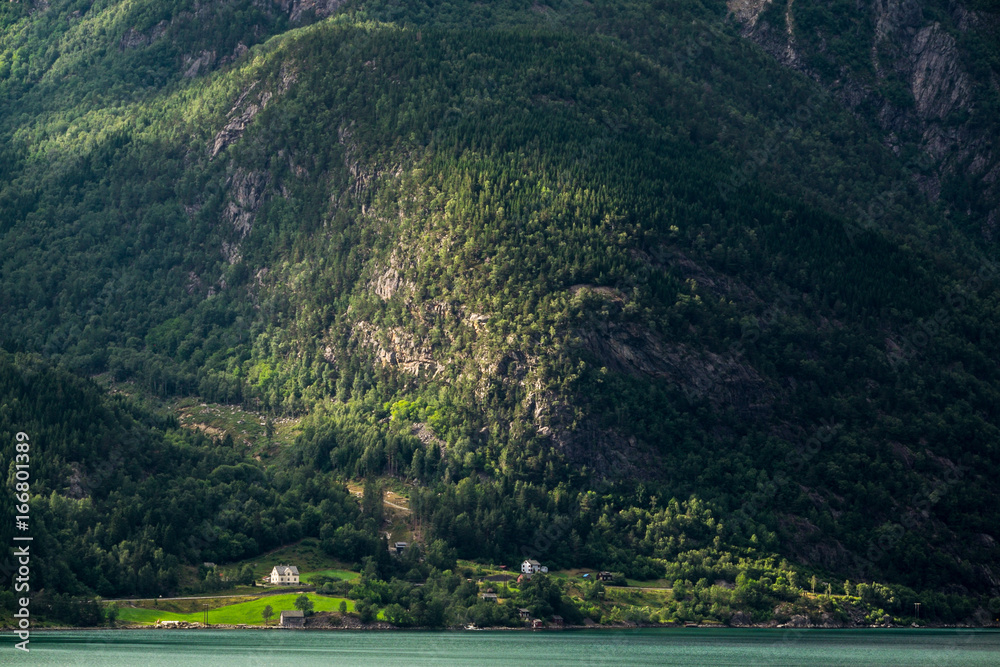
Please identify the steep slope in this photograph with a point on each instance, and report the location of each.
(926, 73)
(122, 499)
(590, 263)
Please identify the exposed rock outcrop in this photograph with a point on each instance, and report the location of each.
(239, 118)
(298, 9)
(397, 347)
(319, 8)
(192, 65)
(939, 83)
(386, 283)
(740, 620)
(709, 376)
(426, 435)
(133, 39)
(248, 105)
(909, 46)
(247, 193)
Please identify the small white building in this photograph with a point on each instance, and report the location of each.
(531, 566)
(285, 575)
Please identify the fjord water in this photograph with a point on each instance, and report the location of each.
(177, 648)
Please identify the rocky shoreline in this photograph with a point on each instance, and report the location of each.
(382, 626)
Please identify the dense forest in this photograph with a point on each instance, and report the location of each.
(602, 282)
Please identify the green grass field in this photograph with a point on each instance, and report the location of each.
(343, 575)
(248, 613)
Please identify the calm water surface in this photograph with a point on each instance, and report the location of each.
(177, 648)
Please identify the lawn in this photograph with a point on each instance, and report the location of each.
(343, 575)
(248, 613)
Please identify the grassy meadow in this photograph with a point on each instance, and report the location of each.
(248, 612)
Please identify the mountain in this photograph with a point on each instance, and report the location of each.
(687, 288)
(924, 73)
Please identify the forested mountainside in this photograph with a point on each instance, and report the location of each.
(925, 73)
(704, 287)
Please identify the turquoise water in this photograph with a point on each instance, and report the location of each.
(177, 648)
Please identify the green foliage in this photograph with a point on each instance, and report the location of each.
(590, 276)
(304, 604)
(101, 470)
(111, 614)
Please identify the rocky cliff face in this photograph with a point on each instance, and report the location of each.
(299, 9)
(924, 82)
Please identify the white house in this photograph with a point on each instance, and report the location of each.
(285, 574)
(531, 566)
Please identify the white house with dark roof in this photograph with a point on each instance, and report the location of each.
(285, 575)
(532, 566)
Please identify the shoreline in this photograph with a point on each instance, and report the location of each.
(385, 627)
